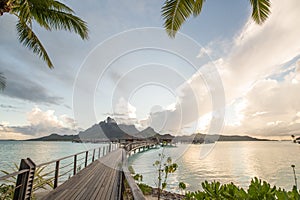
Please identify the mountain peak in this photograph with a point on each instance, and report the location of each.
(110, 120)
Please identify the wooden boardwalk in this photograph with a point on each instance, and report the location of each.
(102, 179)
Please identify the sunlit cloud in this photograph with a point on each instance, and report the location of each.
(40, 123)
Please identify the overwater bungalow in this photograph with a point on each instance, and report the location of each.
(297, 140)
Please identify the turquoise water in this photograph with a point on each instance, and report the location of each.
(13, 151)
(226, 162)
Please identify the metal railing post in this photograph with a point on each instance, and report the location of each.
(75, 165)
(56, 174)
(24, 184)
(86, 158)
(109, 147)
(93, 158)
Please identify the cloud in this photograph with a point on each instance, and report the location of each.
(124, 112)
(204, 52)
(20, 87)
(258, 53)
(7, 106)
(41, 123)
(272, 107)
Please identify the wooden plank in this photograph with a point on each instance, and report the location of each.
(92, 176)
(97, 181)
(116, 186)
(114, 189)
(111, 184)
(94, 182)
(104, 190)
(73, 182)
(102, 185)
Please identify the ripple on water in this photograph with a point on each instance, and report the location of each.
(227, 162)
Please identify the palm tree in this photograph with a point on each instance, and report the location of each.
(49, 14)
(2, 81)
(176, 12)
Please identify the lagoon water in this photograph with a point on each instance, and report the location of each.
(13, 151)
(226, 162)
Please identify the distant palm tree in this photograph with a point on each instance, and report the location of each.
(49, 14)
(2, 81)
(176, 12)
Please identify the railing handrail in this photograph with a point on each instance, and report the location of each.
(135, 190)
(2, 178)
(66, 157)
(135, 145)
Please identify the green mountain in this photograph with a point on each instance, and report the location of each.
(109, 130)
(56, 137)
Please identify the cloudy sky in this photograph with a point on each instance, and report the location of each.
(221, 74)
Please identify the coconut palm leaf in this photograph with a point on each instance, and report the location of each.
(49, 14)
(55, 15)
(2, 81)
(58, 20)
(260, 10)
(198, 7)
(176, 12)
(28, 38)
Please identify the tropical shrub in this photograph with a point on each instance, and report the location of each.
(6, 191)
(258, 190)
(146, 189)
(40, 181)
(164, 167)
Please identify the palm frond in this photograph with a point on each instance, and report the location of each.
(61, 7)
(175, 13)
(59, 20)
(23, 10)
(198, 7)
(28, 38)
(2, 81)
(49, 14)
(260, 10)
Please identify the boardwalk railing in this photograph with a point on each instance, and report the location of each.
(71, 165)
(54, 170)
(24, 182)
(133, 147)
(135, 190)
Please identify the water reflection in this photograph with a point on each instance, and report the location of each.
(13, 151)
(235, 162)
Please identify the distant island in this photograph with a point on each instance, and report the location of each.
(200, 138)
(109, 130)
(56, 137)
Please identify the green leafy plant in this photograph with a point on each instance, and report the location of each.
(164, 167)
(182, 186)
(40, 181)
(146, 189)
(261, 190)
(6, 191)
(138, 177)
(131, 170)
(258, 190)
